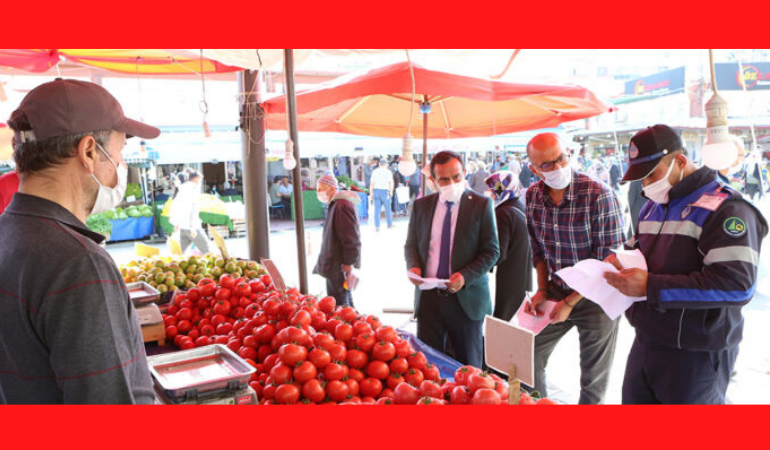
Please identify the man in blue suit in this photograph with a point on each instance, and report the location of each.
(452, 235)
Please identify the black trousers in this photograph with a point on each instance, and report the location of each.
(335, 288)
(656, 374)
(441, 320)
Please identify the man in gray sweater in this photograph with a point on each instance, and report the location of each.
(68, 330)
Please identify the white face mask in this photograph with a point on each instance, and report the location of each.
(453, 192)
(110, 197)
(558, 179)
(658, 191)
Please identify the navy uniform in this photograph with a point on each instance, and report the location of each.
(702, 250)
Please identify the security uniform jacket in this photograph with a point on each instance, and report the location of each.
(702, 265)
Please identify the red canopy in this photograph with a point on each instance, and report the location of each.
(378, 103)
(30, 59)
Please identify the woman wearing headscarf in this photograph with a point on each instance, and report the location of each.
(514, 267)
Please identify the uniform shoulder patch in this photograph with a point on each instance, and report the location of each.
(734, 227)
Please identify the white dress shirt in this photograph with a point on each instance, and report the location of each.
(434, 250)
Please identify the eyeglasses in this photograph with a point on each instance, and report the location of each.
(561, 160)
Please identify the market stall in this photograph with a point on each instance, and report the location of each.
(212, 212)
(278, 346)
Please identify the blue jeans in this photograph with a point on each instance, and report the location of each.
(381, 199)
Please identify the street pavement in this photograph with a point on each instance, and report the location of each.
(384, 287)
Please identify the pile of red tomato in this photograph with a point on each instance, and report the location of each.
(310, 351)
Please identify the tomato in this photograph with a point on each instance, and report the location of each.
(406, 394)
(222, 307)
(388, 334)
(271, 307)
(207, 330)
(357, 359)
(417, 360)
(171, 332)
(173, 309)
(462, 374)
(257, 286)
(264, 334)
(239, 312)
(314, 391)
(399, 365)
(319, 357)
(202, 341)
(203, 304)
(384, 351)
(184, 326)
(185, 303)
(337, 390)
(250, 341)
(247, 353)
(486, 396)
(525, 399)
(368, 401)
(331, 325)
(355, 374)
(430, 401)
(287, 310)
(207, 287)
(291, 354)
(169, 320)
(224, 329)
(187, 343)
(371, 387)
(268, 393)
(378, 369)
(338, 352)
(334, 371)
(361, 327)
(243, 289)
(461, 395)
(306, 371)
(365, 342)
(348, 314)
(271, 361)
(234, 344)
(501, 387)
(184, 314)
(286, 394)
(414, 377)
(264, 351)
(299, 336)
(385, 401)
(281, 373)
(221, 340)
(394, 380)
(318, 320)
(446, 389)
(327, 304)
(193, 333)
(301, 318)
(403, 348)
(374, 322)
(430, 389)
(194, 295)
(245, 302)
(546, 401)
(343, 332)
(387, 392)
(353, 387)
(227, 281)
(478, 381)
(323, 340)
(431, 372)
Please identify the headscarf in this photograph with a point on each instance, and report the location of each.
(504, 185)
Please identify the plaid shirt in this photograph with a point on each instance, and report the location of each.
(587, 223)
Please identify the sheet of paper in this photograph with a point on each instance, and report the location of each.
(587, 278)
(530, 322)
(631, 259)
(428, 283)
(275, 275)
(506, 344)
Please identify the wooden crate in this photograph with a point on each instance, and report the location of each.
(239, 228)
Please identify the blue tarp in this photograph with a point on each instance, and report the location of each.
(131, 229)
(446, 365)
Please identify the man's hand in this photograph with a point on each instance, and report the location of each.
(613, 259)
(631, 282)
(417, 271)
(456, 282)
(347, 269)
(531, 306)
(560, 312)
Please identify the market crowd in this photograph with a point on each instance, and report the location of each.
(69, 333)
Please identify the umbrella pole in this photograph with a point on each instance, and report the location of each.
(299, 216)
(424, 148)
(254, 166)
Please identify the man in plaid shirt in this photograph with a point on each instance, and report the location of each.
(570, 217)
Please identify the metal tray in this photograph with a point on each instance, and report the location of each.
(142, 293)
(190, 373)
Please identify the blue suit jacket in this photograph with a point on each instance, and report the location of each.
(474, 252)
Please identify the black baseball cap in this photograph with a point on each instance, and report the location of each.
(64, 107)
(648, 147)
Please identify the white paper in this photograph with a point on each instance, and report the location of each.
(587, 278)
(506, 344)
(534, 324)
(631, 259)
(428, 283)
